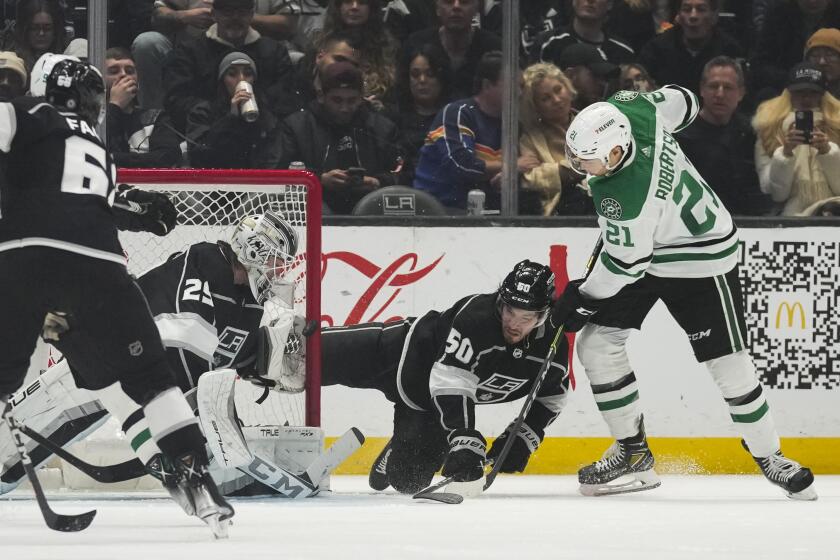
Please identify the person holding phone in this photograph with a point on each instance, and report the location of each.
(797, 154)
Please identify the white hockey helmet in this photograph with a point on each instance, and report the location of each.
(42, 69)
(265, 244)
(594, 132)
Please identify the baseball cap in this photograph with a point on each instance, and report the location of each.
(233, 4)
(581, 54)
(236, 58)
(806, 76)
(11, 61)
(341, 75)
(825, 37)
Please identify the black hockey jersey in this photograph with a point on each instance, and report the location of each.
(59, 183)
(459, 358)
(205, 321)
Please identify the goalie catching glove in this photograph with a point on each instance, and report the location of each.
(138, 210)
(524, 444)
(281, 353)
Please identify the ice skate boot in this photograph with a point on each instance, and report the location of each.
(797, 481)
(627, 466)
(378, 478)
(160, 467)
(210, 506)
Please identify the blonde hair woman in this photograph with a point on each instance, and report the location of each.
(546, 111)
(795, 167)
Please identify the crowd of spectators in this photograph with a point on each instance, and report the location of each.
(372, 93)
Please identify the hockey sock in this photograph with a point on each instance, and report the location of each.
(136, 428)
(174, 426)
(618, 402)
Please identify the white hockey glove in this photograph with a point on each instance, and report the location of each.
(281, 354)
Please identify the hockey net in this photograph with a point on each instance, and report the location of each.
(210, 204)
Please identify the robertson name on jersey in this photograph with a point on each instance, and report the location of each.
(459, 358)
(656, 212)
(59, 184)
(204, 319)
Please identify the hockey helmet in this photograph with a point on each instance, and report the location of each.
(265, 244)
(41, 71)
(593, 134)
(529, 286)
(77, 87)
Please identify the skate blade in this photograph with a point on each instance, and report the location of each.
(218, 526)
(638, 482)
(807, 495)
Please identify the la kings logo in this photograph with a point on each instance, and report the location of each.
(610, 208)
(231, 341)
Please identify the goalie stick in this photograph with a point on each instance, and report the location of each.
(108, 474)
(55, 521)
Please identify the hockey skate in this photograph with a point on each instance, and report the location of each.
(378, 478)
(627, 466)
(170, 477)
(209, 504)
(797, 481)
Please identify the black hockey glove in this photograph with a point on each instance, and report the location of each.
(467, 451)
(524, 443)
(573, 309)
(138, 210)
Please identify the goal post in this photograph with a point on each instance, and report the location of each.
(210, 203)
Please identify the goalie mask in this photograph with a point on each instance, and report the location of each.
(265, 245)
(529, 286)
(76, 87)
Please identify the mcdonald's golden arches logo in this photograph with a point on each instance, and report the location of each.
(789, 312)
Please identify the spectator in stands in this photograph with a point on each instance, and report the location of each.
(797, 168)
(539, 20)
(191, 75)
(404, 17)
(464, 44)
(335, 47)
(351, 148)
(549, 185)
(787, 26)
(38, 29)
(678, 55)
(721, 143)
(136, 137)
(463, 147)
(823, 50)
(422, 90)
(12, 76)
(635, 21)
(377, 49)
(588, 28)
(635, 77)
(308, 21)
(220, 134)
(175, 22)
(593, 77)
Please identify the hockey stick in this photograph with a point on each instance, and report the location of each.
(445, 497)
(120, 472)
(532, 395)
(55, 521)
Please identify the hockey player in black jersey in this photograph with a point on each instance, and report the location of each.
(485, 349)
(61, 263)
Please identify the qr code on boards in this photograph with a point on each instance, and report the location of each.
(791, 303)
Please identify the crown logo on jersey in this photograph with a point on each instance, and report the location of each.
(610, 208)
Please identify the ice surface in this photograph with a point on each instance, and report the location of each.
(520, 518)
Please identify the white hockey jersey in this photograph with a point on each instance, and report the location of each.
(657, 214)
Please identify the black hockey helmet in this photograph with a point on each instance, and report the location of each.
(530, 286)
(77, 87)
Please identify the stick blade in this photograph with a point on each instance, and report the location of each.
(70, 523)
(442, 497)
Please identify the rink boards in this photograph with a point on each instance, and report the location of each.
(790, 278)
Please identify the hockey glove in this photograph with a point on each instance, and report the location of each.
(573, 309)
(467, 452)
(138, 210)
(524, 443)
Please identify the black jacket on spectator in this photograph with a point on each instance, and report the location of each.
(369, 141)
(615, 50)
(191, 76)
(781, 43)
(142, 138)
(669, 61)
(413, 128)
(406, 17)
(219, 139)
(462, 84)
(724, 156)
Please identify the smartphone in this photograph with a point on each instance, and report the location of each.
(804, 121)
(356, 175)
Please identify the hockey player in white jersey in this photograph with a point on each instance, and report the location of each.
(666, 236)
